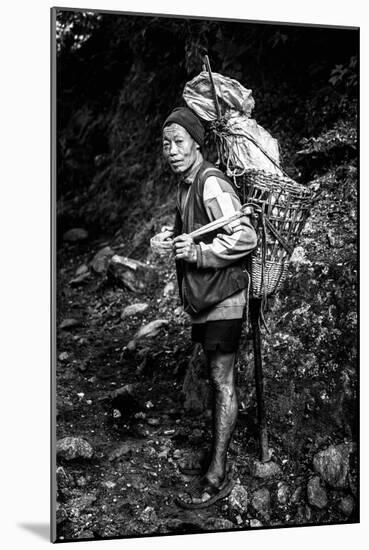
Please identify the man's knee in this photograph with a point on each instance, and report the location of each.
(221, 372)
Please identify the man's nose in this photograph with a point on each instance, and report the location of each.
(173, 149)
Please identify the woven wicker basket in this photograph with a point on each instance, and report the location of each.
(285, 204)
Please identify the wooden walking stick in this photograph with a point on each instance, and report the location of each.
(255, 307)
(255, 311)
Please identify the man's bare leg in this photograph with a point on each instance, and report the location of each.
(225, 410)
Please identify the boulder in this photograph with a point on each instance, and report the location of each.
(134, 309)
(151, 329)
(131, 274)
(81, 270)
(80, 279)
(68, 324)
(148, 515)
(63, 356)
(333, 463)
(77, 505)
(296, 495)
(169, 289)
(282, 493)
(75, 235)
(100, 261)
(316, 494)
(347, 505)
(122, 450)
(255, 523)
(219, 524)
(261, 500)
(238, 499)
(71, 448)
(265, 470)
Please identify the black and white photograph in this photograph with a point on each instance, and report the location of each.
(205, 290)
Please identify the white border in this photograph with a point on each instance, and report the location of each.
(25, 84)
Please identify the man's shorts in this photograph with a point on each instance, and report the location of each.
(223, 335)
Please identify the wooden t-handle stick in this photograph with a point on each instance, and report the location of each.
(245, 210)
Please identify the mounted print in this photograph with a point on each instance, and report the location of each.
(205, 177)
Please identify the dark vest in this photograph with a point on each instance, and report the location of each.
(201, 288)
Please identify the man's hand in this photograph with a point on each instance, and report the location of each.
(184, 248)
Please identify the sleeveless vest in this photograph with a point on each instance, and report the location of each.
(203, 288)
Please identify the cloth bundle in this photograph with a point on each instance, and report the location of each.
(242, 143)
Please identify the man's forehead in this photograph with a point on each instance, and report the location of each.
(173, 130)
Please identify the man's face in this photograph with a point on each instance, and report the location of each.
(179, 149)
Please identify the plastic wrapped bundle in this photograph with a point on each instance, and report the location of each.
(242, 143)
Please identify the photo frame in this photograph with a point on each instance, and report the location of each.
(128, 406)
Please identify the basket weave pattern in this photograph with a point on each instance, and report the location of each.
(286, 205)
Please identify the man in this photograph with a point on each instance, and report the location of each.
(213, 283)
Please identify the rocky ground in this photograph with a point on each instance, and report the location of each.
(132, 405)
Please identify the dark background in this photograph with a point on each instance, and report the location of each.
(118, 76)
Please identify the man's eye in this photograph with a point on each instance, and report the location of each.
(179, 141)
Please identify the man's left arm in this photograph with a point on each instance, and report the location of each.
(240, 239)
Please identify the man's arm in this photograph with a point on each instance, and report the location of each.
(240, 239)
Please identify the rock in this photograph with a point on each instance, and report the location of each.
(100, 261)
(265, 470)
(81, 270)
(120, 451)
(86, 534)
(151, 329)
(261, 500)
(316, 494)
(219, 523)
(255, 523)
(238, 498)
(74, 235)
(134, 309)
(282, 492)
(308, 514)
(80, 280)
(81, 481)
(153, 421)
(73, 447)
(76, 505)
(108, 484)
(68, 324)
(332, 464)
(131, 274)
(347, 505)
(148, 515)
(64, 356)
(296, 495)
(169, 289)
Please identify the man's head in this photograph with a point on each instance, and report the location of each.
(183, 136)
